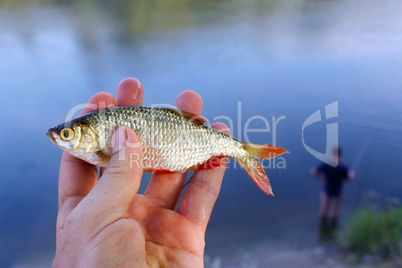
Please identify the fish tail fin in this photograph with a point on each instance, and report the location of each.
(257, 173)
(254, 168)
(262, 151)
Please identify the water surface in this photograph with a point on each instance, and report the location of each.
(271, 59)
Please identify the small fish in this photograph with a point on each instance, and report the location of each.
(171, 141)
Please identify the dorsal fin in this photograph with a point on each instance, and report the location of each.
(190, 116)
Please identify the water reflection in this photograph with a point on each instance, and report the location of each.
(279, 58)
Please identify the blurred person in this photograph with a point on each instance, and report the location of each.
(332, 177)
(106, 223)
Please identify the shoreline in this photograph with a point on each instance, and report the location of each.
(270, 255)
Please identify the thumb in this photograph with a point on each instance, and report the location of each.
(121, 180)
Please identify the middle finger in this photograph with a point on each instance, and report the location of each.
(164, 189)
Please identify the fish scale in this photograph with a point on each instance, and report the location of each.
(171, 141)
(180, 143)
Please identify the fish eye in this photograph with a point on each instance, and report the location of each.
(67, 134)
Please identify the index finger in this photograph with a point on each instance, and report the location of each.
(130, 92)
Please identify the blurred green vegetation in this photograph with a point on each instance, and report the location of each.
(377, 233)
(142, 16)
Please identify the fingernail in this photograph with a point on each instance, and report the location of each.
(179, 100)
(135, 94)
(119, 140)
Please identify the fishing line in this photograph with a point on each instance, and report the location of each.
(356, 164)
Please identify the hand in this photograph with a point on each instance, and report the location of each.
(106, 223)
(351, 175)
(317, 174)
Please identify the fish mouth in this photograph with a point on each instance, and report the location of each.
(49, 134)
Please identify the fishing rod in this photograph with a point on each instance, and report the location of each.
(356, 164)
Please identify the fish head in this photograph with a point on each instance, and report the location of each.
(75, 137)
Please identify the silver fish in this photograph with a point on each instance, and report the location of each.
(171, 141)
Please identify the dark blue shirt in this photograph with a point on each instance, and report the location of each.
(334, 177)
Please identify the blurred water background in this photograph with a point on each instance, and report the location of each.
(282, 59)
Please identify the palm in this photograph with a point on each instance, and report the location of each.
(168, 232)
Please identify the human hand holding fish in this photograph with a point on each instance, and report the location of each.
(106, 223)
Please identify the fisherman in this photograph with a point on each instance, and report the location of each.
(332, 176)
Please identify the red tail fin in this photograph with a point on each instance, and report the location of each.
(257, 173)
(262, 151)
(254, 169)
